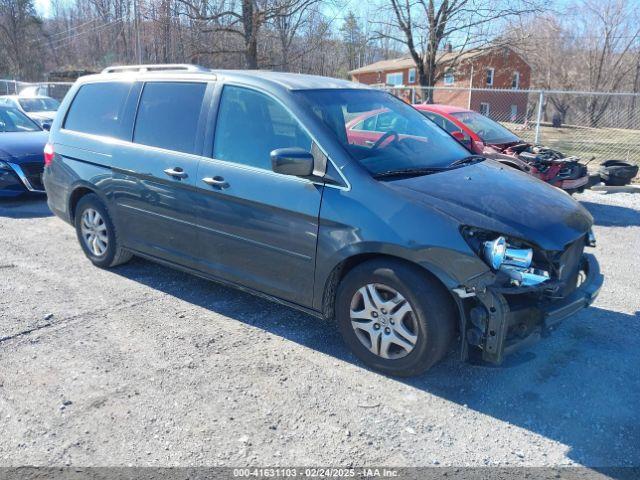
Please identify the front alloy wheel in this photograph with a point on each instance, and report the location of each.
(383, 321)
(395, 316)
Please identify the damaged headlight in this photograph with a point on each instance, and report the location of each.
(498, 252)
(510, 259)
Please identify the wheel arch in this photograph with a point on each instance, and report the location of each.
(348, 263)
(80, 190)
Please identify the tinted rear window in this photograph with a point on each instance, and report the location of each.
(168, 115)
(98, 108)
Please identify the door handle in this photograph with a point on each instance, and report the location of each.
(176, 172)
(217, 182)
(370, 142)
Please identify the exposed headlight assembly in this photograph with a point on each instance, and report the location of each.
(515, 262)
(498, 252)
(511, 260)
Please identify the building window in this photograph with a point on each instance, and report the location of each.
(449, 79)
(515, 81)
(485, 108)
(490, 77)
(514, 113)
(394, 79)
(412, 75)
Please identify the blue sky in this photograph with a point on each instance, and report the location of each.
(43, 7)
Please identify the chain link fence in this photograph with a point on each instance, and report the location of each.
(599, 126)
(602, 126)
(55, 90)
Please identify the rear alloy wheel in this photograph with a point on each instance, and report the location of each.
(395, 317)
(97, 234)
(94, 232)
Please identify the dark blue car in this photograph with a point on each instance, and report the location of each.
(22, 144)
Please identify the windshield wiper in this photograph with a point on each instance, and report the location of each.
(409, 172)
(467, 160)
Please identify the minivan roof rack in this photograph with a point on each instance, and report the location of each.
(160, 67)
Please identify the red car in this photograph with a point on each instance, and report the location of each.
(486, 137)
(378, 128)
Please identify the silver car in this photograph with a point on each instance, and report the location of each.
(40, 108)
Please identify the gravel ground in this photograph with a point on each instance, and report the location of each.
(142, 365)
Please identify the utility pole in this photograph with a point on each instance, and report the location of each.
(136, 22)
(470, 86)
(539, 118)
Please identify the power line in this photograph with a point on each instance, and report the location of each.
(62, 41)
(68, 31)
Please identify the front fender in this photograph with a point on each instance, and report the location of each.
(451, 267)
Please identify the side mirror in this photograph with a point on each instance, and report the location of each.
(292, 161)
(46, 126)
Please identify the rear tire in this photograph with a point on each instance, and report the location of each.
(423, 330)
(97, 234)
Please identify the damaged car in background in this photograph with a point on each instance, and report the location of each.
(486, 137)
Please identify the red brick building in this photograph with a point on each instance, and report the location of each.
(489, 68)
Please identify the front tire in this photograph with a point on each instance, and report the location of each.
(395, 317)
(97, 234)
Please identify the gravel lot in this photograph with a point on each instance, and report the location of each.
(142, 365)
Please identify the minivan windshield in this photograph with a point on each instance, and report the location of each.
(491, 132)
(39, 104)
(383, 133)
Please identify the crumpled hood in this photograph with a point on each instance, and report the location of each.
(22, 146)
(498, 198)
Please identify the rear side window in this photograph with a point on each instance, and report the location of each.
(250, 125)
(98, 108)
(168, 115)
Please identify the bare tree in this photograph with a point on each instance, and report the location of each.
(245, 20)
(291, 19)
(611, 29)
(549, 44)
(354, 41)
(424, 26)
(19, 30)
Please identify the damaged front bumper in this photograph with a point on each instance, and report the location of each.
(495, 323)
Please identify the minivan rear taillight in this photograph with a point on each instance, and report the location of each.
(48, 154)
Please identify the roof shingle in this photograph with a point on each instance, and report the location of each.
(407, 62)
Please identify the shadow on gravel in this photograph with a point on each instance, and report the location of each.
(579, 387)
(28, 207)
(613, 215)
